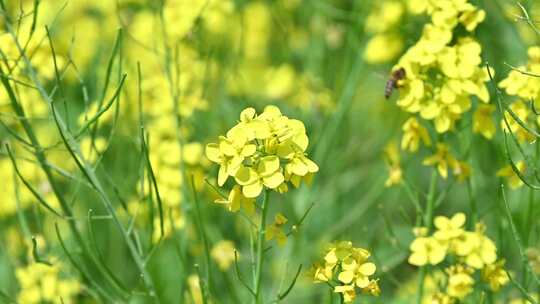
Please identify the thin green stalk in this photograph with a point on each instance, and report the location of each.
(73, 148)
(472, 201)
(531, 205)
(517, 240)
(202, 234)
(43, 163)
(260, 248)
(430, 200)
(428, 222)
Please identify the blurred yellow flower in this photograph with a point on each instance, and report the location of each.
(460, 281)
(522, 85)
(195, 290)
(442, 160)
(350, 267)
(461, 170)
(514, 181)
(523, 113)
(427, 250)
(477, 249)
(449, 229)
(42, 283)
(91, 149)
(383, 22)
(495, 275)
(383, 48)
(482, 121)
(275, 230)
(441, 298)
(223, 254)
(392, 159)
(533, 255)
(237, 200)
(413, 134)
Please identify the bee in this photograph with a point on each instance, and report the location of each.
(392, 82)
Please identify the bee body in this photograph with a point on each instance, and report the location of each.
(392, 82)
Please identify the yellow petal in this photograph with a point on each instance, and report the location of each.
(212, 153)
(301, 141)
(312, 166)
(458, 219)
(273, 181)
(418, 259)
(297, 167)
(247, 114)
(222, 175)
(227, 148)
(367, 269)
(253, 190)
(285, 151)
(441, 222)
(268, 165)
(346, 276)
(362, 281)
(248, 150)
(245, 176)
(260, 129)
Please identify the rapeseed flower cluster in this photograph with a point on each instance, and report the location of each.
(443, 73)
(466, 252)
(347, 270)
(263, 151)
(523, 87)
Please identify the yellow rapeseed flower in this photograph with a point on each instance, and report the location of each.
(350, 268)
(223, 253)
(237, 200)
(413, 134)
(442, 160)
(482, 121)
(262, 151)
(427, 250)
(521, 85)
(449, 229)
(42, 283)
(392, 159)
(495, 275)
(275, 230)
(514, 181)
(460, 281)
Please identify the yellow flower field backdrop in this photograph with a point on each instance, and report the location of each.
(269, 151)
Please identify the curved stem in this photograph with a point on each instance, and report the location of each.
(260, 248)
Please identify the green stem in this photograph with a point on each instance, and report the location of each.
(530, 208)
(202, 233)
(428, 222)
(474, 207)
(528, 219)
(260, 247)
